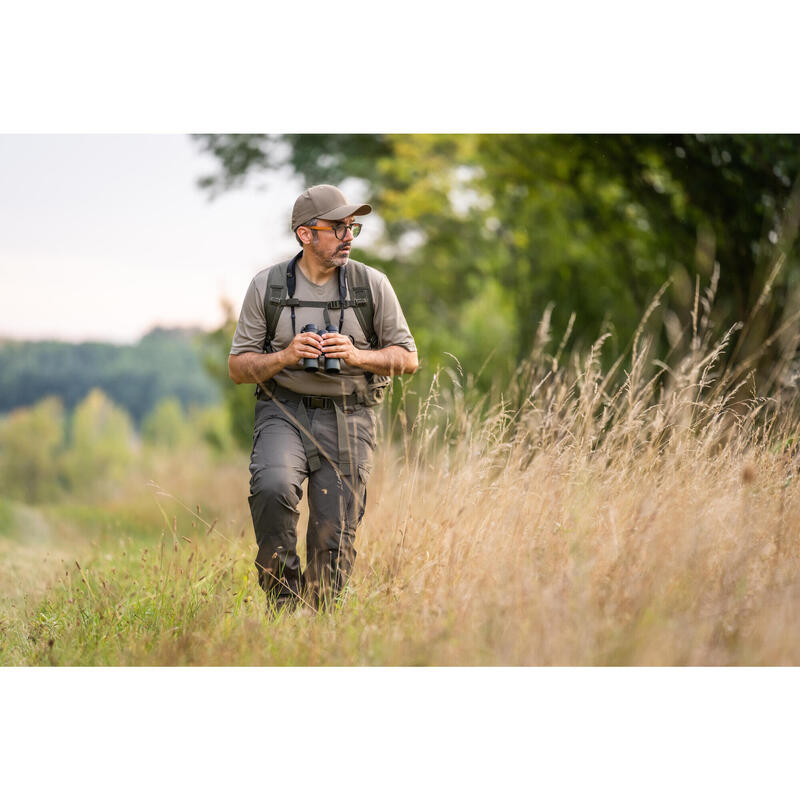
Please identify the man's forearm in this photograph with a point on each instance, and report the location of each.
(260, 367)
(392, 360)
(255, 367)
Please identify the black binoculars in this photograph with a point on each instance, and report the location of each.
(330, 365)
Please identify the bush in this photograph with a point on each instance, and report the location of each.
(167, 425)
(101, 440)
(31, 446)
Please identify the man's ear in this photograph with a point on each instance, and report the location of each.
(304, 234)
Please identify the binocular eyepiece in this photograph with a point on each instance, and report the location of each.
(330, 365)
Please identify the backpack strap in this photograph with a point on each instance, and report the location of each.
(281, 283)
(361, 300)
(275, 298)
(363, 305)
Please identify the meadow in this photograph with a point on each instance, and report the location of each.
(646, 514)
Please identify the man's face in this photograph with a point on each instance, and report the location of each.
(328, 250)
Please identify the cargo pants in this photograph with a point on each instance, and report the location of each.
(279, 464)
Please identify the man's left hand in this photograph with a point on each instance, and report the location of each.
(337, 345)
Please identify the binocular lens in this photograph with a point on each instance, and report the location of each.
(331, 365)
(310, 364)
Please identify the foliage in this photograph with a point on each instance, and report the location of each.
(163, 363)
(101, 437)
(167, 424)
(212, 424)
(47, 454)
(483, 233)
(237, 399)
(31, 446)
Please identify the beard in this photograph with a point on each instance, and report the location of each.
(330, 260)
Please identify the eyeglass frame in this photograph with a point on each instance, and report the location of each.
(341, 226)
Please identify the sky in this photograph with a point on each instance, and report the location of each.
(103, 237)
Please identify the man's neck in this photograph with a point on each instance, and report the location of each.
(314, 271)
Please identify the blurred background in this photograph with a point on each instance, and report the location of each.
(124, 260)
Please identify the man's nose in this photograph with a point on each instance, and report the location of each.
(348, 234)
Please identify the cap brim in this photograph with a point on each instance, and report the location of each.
(346, 211)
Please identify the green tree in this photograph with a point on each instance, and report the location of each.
(213, 425)
(237, 399)
(31, 445)
(487, 234)
(166, 425)
(100, 443)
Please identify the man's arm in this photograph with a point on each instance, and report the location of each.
(392, 360)
(255, 367)
(260, 367)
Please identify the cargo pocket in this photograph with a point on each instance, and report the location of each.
(363, 477)
(253, 464)
(364, 423)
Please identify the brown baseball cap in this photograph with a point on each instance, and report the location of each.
(324, 202)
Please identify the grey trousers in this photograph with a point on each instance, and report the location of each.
(278, 467)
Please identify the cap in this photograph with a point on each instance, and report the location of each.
(324, 202)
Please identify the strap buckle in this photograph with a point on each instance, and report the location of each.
(310, 401)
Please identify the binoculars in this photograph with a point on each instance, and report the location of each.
(330, 365)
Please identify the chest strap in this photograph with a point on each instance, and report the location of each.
(281, 286)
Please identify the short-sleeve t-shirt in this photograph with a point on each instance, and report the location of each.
(389, 322)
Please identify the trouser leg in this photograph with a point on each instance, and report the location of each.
(336, 505)
(277, 470)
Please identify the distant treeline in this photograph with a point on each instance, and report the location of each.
(164, 363)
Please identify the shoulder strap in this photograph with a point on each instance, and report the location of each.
(274, 299)
(362, 303)
(281, 281)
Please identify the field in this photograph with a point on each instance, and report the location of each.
(637, 517)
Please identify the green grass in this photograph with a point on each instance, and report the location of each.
(193, 602)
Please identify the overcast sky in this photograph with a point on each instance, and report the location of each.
(102, 237)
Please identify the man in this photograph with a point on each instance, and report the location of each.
(312, 421)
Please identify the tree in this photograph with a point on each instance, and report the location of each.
(31, 445)
(237, 399)
(100, 442)
(166, 425)
(484, 234)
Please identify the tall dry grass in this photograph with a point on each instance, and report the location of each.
(647, 514)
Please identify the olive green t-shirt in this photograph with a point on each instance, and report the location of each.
(390, 326)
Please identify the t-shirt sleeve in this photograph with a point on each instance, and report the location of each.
(390, 323)
(252, 326)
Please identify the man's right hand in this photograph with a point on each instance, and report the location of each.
(260, 367)
(304, 345)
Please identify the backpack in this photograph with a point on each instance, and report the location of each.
(354, 292)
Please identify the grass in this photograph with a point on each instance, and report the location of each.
(650, 516)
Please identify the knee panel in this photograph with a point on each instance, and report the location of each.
(273, 486)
